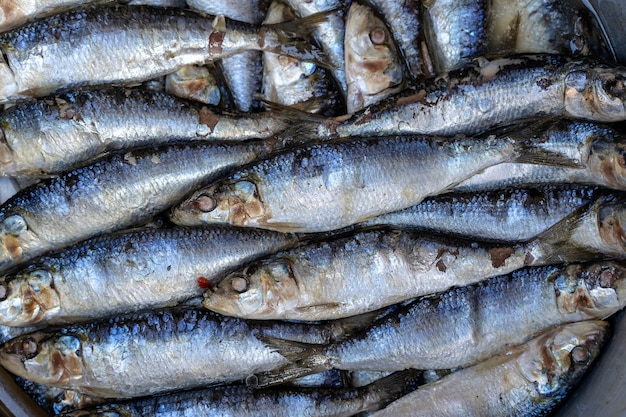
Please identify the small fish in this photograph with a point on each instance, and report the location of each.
(57, 133)
(333, 185)
(528, 380)
(373, 66)
(466, 325)
(58, 52)
(116, 192)
(154, 352)
(280, 402)
(128, 272)
(455, 31)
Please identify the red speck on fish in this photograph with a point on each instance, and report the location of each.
(204, 283)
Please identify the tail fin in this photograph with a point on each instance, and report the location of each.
(388, 389)
(292, 38)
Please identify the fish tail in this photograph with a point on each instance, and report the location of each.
(307, 359)
(292, 38)
(390, 388)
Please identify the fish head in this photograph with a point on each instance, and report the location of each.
(8, 84)
(8, 165)
(591, 291)
(28, 298)
(597, 93)
(233, 202)
(607, 162)
(611, 218)
(373, 63)
(261, 291)
(50, 360)
(559, 358)
(15, 238)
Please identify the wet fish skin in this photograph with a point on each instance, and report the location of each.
(455, 31)
(491, 93)
(57, 133)
(116, 192)
(152, 352)
(373, 65)
(132, 271)
(509, 215)
(140, 43)
(467, 325)
(528, 380)
(371, 176)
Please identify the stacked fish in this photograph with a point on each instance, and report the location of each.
(427, 220)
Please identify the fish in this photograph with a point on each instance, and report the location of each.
(510, 215)
(373, 65)
(336, 184)
(52, 135)
(194, 82)
(528, 380)
(454, 31)
(131, 271)
(153, 352)
(58, 52)
(119, 191)
(496, 92)
(242, 401)
(324, 280)
(404, 20)
(466, 325)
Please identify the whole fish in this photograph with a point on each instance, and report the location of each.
(322, 281)
(404, 20)
(373, 66)
(153, 352)
(194, 82)
(333, 185)
(128, 272)
(116, 192)
(241, 401)
(292, 82)
(528, 380)
(490, 93)
(509, 215)
(455, 31)
(466, 325)
(57, 133)
(136, 43)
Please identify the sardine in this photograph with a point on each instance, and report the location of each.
(466, 325)
(455, 31)
(404, 20)
(116, 192)
(153, 352)
(333, 185)
(196, 83)
(140, 43)
(292, 82)
(129, 272)
(57, 133)
(509, 215)
(528, 380)
(373, 66)
(241, 401)
(490, 93)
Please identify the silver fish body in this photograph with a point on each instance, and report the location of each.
(116, 192)
(128, 272)
(135, 43)
(528, 380)
(373, 67)
(467, 325)
(333, 185)
(54, 134)
(455, 31)
(491, 93)
(511, 215)
(149, 353)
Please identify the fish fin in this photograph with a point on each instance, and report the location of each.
(291, 38)
(319, 307)
(284, 227)
(350, 326)
(289, 113)
(388, 389)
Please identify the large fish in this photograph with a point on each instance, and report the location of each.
(116, 44)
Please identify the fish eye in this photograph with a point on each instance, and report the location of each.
(614, 87)
(580, 355)
(27, 348)
(377, 36)
(14, 225)
(239, 284)
(205, 203)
